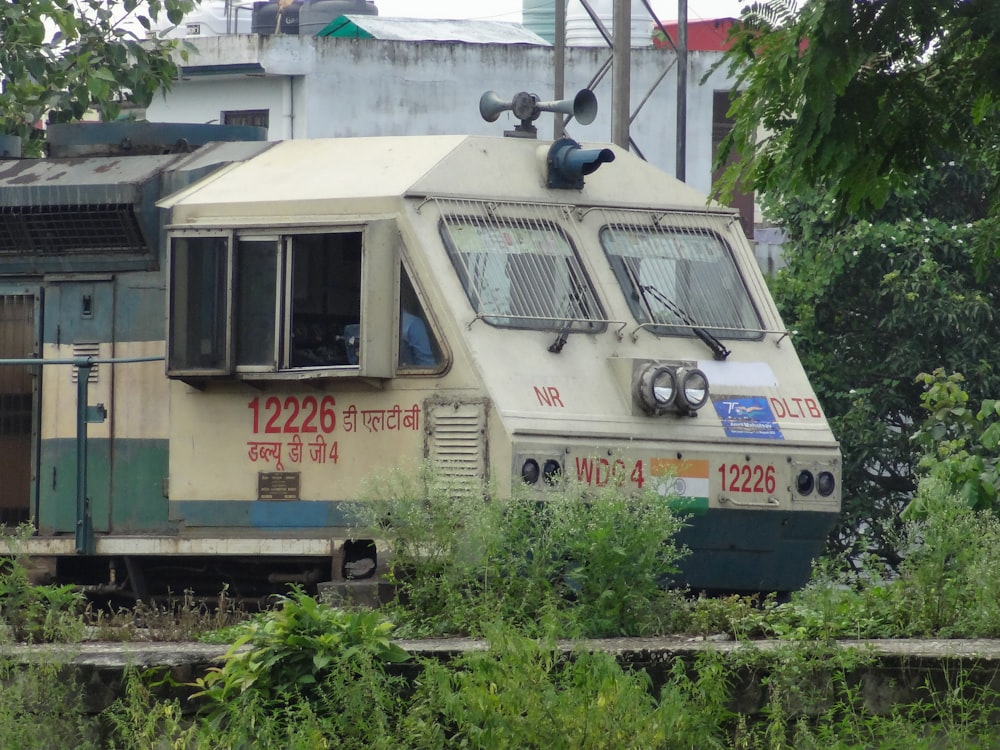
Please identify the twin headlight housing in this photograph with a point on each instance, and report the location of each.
(680, 389)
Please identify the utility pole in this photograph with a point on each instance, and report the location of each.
(560, 64)
(680, 170)
(621, 72)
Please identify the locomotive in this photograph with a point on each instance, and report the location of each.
(206, 350)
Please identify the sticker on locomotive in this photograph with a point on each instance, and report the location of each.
(293, 415)
(684, 481)
(318, 452)
(796, 408)
(747, 417)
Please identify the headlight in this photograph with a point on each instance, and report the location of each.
(693, 388)
(551, 471)
(662, 388)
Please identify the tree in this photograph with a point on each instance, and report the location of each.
(856, 96)
(879, 156)
(62, 58)
(874, 303)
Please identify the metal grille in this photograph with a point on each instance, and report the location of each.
(86, 350)
(17, 341)
(15, 413)
(519, 266)
(678, 273)
(69, 230)
(456, 444)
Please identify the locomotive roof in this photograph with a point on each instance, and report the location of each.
(103, 179)
(308, 177)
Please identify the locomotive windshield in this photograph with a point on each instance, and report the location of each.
(521, 274)
(681, 279)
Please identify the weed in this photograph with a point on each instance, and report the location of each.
(525, 693)
(304, 657)
(179, 618)
(35, 613)
(596, 562)
(42, 708)
(142, 719)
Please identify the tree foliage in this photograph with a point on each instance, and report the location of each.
(877, 302)
(856, 96)
(961, 443)
(62, 58)
(870, 128)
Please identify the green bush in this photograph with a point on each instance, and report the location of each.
(300, 665)
(525, 693)
(42, 707)
(950, 578)
(591, 563)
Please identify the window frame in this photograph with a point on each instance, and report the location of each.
(638, 302)
(227, 354)
(576, 274)
(279, 302)
(379, 254)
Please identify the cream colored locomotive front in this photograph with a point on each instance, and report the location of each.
(618, 332)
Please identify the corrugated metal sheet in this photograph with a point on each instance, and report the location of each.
(431, 30)
(71, 182)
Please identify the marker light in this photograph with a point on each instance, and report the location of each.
(551, 471)
(826, 483)
(805, 482)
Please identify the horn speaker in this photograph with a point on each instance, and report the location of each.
(526, 107)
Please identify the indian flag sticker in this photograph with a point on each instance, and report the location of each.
(684, 481)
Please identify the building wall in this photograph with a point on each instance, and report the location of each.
(321, 87)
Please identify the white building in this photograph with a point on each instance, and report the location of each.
(420, 77)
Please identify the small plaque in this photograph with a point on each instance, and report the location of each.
(278, 485)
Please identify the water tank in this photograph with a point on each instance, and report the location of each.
(540, 16)
(581, 31)
(210, 18)
(317, 14)
(268, 19)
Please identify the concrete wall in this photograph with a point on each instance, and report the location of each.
(321, 87)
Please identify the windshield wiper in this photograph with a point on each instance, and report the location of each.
(719, 351)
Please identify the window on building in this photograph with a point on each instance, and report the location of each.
(722, 124)
(259, 118)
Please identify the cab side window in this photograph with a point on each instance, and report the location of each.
(418, 348)
(259, 304)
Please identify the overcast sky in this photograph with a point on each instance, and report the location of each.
(510, 10)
